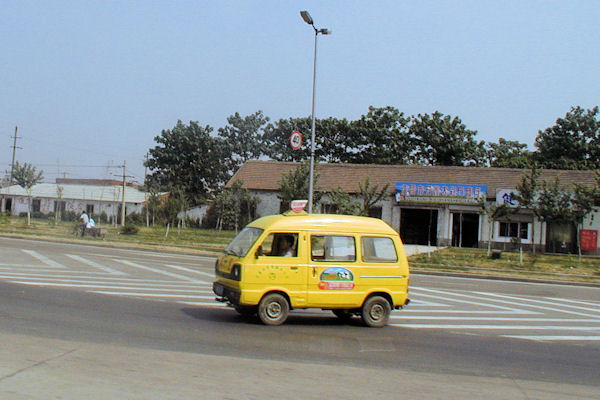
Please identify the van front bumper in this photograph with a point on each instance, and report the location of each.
(226, 294)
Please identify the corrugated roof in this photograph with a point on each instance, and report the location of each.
(266, 175)
(78, 192)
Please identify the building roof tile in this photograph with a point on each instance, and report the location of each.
(266, 175)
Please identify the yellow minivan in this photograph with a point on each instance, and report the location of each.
(350, 265)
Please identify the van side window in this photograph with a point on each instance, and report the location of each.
(378, 249)
(280, 245)
(332, 248)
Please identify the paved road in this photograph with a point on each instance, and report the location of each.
(90, 322)
(477, 307)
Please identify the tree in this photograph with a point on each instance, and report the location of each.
(366, 197)
(525, 196)
(294, 185)
(379, 137)
(276, 139)
(508, 154)
(244, 136)
(234, 207)
(442, 140)
(26, 176)
(189, 158)
(370, 195)
(493, 213)
(572, 143)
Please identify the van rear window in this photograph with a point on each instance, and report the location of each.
(332, 248)
(378, 249)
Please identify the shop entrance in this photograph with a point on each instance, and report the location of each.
(8, 206)
(561, 238)
(465, 229)
(418, 226)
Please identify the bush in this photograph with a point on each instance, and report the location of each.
(129, 230)
(134, 219)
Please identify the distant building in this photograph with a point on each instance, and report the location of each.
(435, 205)
(95, 196)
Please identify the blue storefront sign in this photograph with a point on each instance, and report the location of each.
(439, 192)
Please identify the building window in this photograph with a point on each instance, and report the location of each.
(375, 212)
(514, 230)
(36, 205)
(89, 209)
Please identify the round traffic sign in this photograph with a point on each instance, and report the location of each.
(296, 140)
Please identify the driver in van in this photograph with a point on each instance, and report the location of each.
(286, 244)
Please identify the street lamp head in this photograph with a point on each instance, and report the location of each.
(325, 31)
(306, 17)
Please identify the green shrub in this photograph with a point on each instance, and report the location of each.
(134, 219)
(129, 230)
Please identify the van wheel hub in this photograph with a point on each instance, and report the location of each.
(274, 310)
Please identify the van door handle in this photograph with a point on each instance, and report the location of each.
(314, 271)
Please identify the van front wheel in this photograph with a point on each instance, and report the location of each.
(376, 312)
(273, 309)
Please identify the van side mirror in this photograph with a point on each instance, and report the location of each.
(259, 252)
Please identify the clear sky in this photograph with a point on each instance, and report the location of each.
(91, 83)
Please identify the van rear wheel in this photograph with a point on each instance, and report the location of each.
(376, 312)
(273, 309)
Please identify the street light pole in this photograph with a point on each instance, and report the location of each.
(308, 19)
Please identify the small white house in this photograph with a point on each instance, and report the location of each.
(76, 197)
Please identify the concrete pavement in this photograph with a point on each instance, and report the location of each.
(38, 368)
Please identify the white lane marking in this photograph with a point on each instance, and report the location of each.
(503, 327)
(85, 276)
(159, 271)
(555, 308)
(420, 302)
(204, 303)
(511, 282)
(44, 259)
(477, 301)
(95, 264)
(4, 265)
(193, 271)
(588, 303)
(554, 337)
(150, 289)
(417, 311)
(466, 318)
(152, 294)
(158, 255)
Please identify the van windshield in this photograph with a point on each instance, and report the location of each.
(240, 245)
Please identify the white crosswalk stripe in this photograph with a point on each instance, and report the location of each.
(513, 316)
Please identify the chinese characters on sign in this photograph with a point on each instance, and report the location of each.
(439, 192)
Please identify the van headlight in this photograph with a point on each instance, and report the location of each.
(236, 272)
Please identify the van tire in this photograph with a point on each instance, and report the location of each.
(376, 312)
(273, 309)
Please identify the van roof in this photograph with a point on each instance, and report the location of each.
(327, 222)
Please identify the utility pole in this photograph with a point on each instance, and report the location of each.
(14, 147)
(123, 201)
(146, 191)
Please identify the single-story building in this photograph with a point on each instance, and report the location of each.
(95, 196)
(436, 205)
